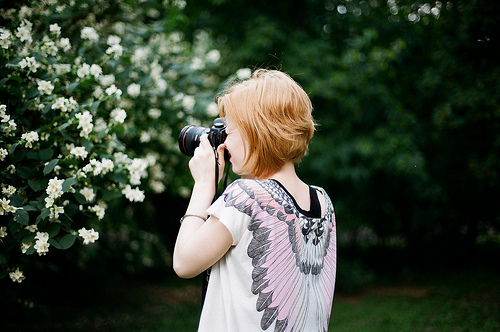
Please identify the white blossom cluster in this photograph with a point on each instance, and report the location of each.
(88, 235)
(83, 111)
(42, 245)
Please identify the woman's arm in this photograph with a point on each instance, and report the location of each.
(201, 243)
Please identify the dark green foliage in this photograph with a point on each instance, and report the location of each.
(408, 106)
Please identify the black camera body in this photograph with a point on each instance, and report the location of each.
(189, 137)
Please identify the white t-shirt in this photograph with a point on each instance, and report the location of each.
(280, 273)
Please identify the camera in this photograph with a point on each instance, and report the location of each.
(189, 137)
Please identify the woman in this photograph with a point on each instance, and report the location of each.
(270, 239)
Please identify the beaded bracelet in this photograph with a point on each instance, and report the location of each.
(192, 215)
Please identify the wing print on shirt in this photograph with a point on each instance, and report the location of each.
(294, 258)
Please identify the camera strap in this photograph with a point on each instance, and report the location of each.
(206, 274)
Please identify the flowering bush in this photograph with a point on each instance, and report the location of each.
(92, 97)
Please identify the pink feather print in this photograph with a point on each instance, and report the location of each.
(294, 257)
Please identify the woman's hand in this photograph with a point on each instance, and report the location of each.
(202, 164)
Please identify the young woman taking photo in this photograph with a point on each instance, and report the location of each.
(270, 238)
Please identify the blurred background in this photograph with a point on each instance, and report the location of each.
(406, 94)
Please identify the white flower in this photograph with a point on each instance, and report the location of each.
(154, 113)
(61, 68)
(29, 138)
(107, 165)
(89, 236)
(17, 275)
(244, 73)
(197, 64)
(107, 80)
(83, 71)
(55, 29)
(188, 102)
(113, 90)
(116, 50)
(25, 247)
(100, 210)
(137, 170)
(118, 115)
(3, 153)
(134, 90)
(96, 166)
(41, 244)
(95, 70)
(121, 158)
(133, 195)
(85, 123)
(212, 109)
(5, 38)
(3, 232)
(157, 186)
(79, 152)
(213, 56)
(31, 228)
(5, 206)
(55, 211)
(65, 44)
(145, 137)
(9, 190)
(24, 34)
(10, 128)
(54, 188)
(45, 87)
(49, 201)
(88, 193)
(112, 40)
(49, 48)
(89, 34)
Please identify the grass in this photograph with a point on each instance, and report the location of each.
(465, 301)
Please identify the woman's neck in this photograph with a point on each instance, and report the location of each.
(293, 184)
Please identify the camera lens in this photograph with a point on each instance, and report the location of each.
(189, 138)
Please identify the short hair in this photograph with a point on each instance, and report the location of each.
(274, 114)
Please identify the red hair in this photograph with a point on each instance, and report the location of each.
(274, 114)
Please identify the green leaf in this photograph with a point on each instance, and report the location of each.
(35, 155)
(3, 81)
(44, 214)
(46, 154)
(108, 195)
(22, 217)
(95, 105)
(3, 260)
(72, 87)
(68, 183)
(80, 198)
(12, 148)
(53, 229)
(14, 226)
(31, 250)
(102, 133)
(67, 241)
(18, 155)
(47, 108)
(16, 200)
(50, 166)
(88, 145)
(54, 243)
(25, 172)
(32, 93)
(29, 208)
(28, 238)
(38, 184)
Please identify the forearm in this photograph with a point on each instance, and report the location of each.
(201, 198)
